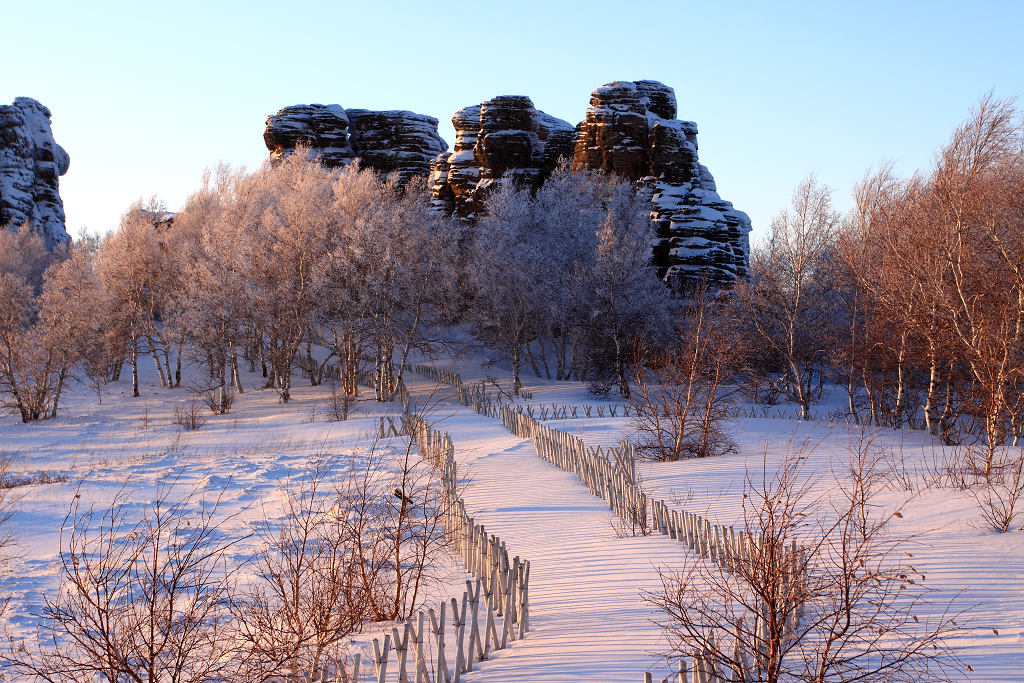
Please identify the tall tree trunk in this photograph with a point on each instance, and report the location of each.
(155, 352)
(931, 410)
(544, 357)
(57, 391)
(530, 359)
(314, 380)
(167, 361)
(897, 418)
(222, 398)
(620, 368)
(235, 378)
(517, 362)
(135, 367)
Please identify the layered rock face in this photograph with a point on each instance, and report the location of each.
(401, 142)
(395, 141)
(31, 163)
(631, 129)
(505, 139)
(322, 128)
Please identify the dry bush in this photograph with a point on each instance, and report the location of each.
(13, 481)
(188, 416)
(339, 404)
(8, 480)
(637, 520)
(1001, 493)
(307, 596)
(953, 468)
(355, 551)
(144, 601)
(682, 398)
(218, 398)
(821, 595)
(398, 518)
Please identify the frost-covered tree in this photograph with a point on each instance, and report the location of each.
(787, 300)
(293, 204)
(215, 305)
(628, 301)
(43, 337)
(566, 268)
(141, 272)
(504, 270)
(389, 275)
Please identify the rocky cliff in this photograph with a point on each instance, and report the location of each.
(31, 163)
(630, 129)
(503, 138)
(322, 128)
(402, 142)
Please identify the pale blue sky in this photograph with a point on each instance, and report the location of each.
(145, 95)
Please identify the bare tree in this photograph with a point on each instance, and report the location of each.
(818, 592)
(786, 299)
(144, 601)
(977, 192)
(682, 395)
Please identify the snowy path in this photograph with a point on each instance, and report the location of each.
(588, 619)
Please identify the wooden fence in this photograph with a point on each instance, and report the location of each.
(611, 476)
(494, 610)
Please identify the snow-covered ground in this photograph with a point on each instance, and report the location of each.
(589, 622)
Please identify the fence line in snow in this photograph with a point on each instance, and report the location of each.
(611, 476)
(494, 610)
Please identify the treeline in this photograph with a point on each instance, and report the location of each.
(259, 268)
(914, 302)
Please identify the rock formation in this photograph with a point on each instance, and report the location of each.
(631, 129)
(402, 142)
(31, 163)
(505, 138)
(395, 141)
(323, 128)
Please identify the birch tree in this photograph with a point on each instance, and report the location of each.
(786, 299)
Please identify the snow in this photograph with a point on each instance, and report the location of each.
(589, 621)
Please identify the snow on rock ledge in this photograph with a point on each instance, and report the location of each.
(504, 139)
(395, 141)
(31, 163)
(402, 142)
(631, 129)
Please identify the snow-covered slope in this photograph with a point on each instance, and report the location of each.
(589, 621)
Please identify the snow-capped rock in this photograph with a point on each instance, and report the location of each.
(504, 139)
(631, 129)
(395, 141)
(387, 141)
(323, 128)
(31, 163)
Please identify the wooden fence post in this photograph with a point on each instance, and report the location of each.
(380, 658)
